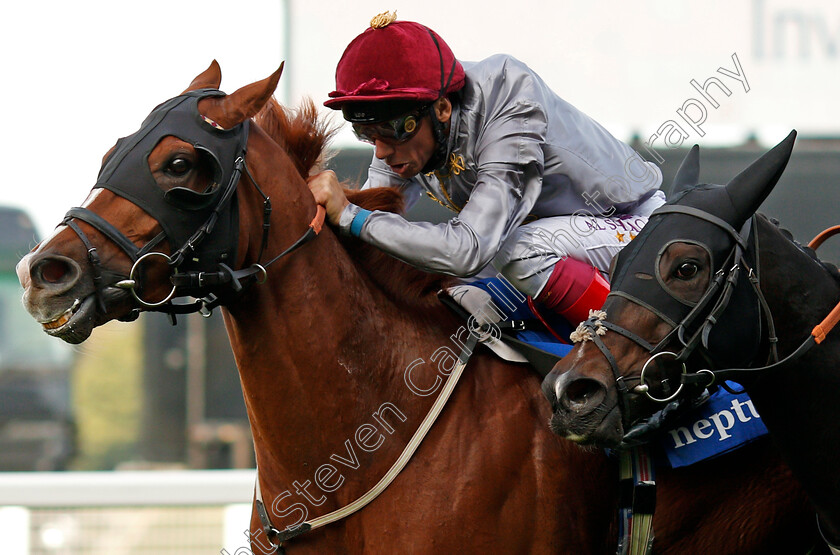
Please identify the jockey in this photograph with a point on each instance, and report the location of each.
(541, 190)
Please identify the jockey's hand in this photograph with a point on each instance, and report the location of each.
(329, 193)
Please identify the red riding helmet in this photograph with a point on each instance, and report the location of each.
(393, 61)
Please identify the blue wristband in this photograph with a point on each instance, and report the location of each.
(358, 222)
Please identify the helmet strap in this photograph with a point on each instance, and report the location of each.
(438, 128)
(438, 157)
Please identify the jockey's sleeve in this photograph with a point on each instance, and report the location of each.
(500, 201)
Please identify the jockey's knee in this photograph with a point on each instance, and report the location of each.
(527, 275)
(573, 289)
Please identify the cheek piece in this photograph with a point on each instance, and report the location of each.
(439, 155)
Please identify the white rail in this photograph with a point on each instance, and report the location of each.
(126, 488)
(125, 512)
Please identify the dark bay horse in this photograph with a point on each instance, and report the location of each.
(709, 291)
(339, 354)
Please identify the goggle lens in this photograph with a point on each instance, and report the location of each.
(397, 130)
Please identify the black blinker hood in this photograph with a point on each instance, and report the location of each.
(718, 219)
(180, 212)
(733, 340)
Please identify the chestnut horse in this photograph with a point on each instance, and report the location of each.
(709, 291)
(339, 354)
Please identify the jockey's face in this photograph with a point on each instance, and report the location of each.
(408, 158)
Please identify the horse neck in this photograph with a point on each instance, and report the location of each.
(798, 288)
(797, 402)
(318, 346)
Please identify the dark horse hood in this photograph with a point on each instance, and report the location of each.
(180, 211)
(725, 210)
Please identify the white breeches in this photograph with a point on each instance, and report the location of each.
(528, 256)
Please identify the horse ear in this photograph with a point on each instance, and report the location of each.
(748, 189)
(231, 110)
(689, 173)
(211, 78)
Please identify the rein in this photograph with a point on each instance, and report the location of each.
(713, 303)
(277, 537)
(183, 282)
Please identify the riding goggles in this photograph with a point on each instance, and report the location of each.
(397, 130)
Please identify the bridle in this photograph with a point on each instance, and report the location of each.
(691, 334)
(201, 228)
(722, 290)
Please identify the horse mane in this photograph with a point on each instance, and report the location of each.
(301, 134)
(396, 278)
(305, 138)
(829, 267)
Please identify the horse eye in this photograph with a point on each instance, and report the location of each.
(686, 270)
(179, 166)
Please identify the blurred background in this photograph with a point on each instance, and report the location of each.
(149, 396)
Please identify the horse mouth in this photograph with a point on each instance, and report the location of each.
(75, 324)
(601, 430)
(58, 323)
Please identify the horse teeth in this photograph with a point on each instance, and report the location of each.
(577, 438)
(63, 319)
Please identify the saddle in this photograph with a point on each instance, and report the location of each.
(510, 324)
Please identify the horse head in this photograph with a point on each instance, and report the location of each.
(164, 202)
(676, 304)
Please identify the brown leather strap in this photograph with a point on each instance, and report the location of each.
(822, 329)
(821, 238)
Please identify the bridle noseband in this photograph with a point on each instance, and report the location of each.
(201, 228)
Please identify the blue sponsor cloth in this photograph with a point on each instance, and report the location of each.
(725, 422)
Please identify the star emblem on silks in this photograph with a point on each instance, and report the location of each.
(632, 236)
(619, 236)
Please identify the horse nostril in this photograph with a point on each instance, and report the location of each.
(53, 271)
(582, 393)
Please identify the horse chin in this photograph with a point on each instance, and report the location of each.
(75, 324)
(606, 432)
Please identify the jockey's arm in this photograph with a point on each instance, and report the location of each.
(500, 201)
